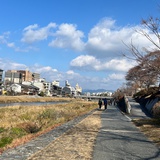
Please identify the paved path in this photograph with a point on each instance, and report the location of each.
(138, 111)
(119, 139)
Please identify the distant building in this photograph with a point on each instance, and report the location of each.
(15, 88)
(1, 76)
(55, 83)
(35, 76)
(71, 91)
(26, 75)
(19, 76)
(56, 89)
(39, 85)
(78, 89)
(12, 76)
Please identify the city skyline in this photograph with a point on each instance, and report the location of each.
(80, 41)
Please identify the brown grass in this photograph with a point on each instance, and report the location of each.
(27, 98)
(23, 123)
(150, 127)
(77, 143)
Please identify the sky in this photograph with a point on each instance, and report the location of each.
(81, 41)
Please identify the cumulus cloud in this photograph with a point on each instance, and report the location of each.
(102, 51)
(68, 37)
(34, 33)
(10, 65)
(115, 76)
(107, 40)
(87, 62)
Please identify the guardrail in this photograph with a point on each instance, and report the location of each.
(128, 106)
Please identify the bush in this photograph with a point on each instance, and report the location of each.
(2, 129)
(26, 116)
(50, 114)
(5, 140)
(156, 110)
(30, 127)
(17, 132)
(41, 94)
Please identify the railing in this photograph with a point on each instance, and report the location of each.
(92, 97)
(128, 106)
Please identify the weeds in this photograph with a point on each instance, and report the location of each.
(21, 121)
(4, 141)
(30, 127)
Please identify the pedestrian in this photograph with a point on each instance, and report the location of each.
(105, 103)
(100, 103)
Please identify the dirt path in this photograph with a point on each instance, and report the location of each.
(75, 144)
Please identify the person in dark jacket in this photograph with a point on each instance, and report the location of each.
(100, 103)
(105, 103)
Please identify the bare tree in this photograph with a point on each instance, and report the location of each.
(141, 76)
(153, 30)
(153, 25)
(147, 71)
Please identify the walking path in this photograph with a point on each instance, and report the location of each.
(119, 139)
(23, 152)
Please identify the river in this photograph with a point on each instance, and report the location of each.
(29, 103)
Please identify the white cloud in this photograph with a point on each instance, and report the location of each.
(86, 62)
(103, 51)
(70, 72)
(115, 76)
(107, 40)
(11, 45)
(118, 65)
(33, 33)
(9, 65)
(51, 74)
(68, 37)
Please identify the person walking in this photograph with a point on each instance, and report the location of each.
(100, 103)
(105, 103)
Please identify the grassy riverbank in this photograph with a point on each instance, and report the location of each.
(26, 98)
(19, 124)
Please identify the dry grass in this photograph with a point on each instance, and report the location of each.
(27, 98)
(19, 124)
(151, 128)
(77, 143)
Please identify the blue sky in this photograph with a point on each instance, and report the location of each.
(76, 40)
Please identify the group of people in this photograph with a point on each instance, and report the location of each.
(102, 102)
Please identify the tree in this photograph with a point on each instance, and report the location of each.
(141, 76)
(147, 71)
(153, 25)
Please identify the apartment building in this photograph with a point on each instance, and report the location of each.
(12, 76)
(26, 75)
(35, 76)
(19, 76)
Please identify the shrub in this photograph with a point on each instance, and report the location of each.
(30, 127)
(49, 114)
(41, 94)
(25, 116)
(2, 129)
(5, 140)
(18, 132)
(156, 110)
